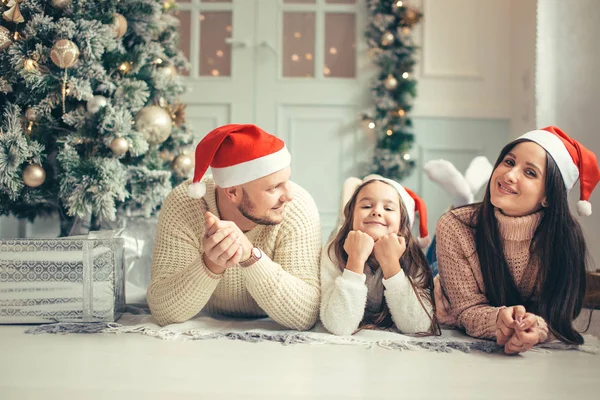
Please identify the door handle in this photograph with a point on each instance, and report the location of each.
(266, 44)
(236, 42)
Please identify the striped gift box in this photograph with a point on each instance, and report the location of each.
(72, 279)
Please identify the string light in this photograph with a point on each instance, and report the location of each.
(406, 156)
(16, 36)
(308, 56)
(295, 57)
(405, 75)
(297, 35)
(125, 67)
(371, 125)
(326, 71)
(215, 72)
(158, 61)
(333, 50)
(399, 4)
(401, 112)
(30, 65)
(219, 53)
(389, 132)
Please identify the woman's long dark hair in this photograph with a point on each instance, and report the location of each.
(413, 262)
(559, 247)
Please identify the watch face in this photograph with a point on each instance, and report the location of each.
(256, 252)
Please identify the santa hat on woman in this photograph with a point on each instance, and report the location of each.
(574, 161)
(413, 203)
(237, 154)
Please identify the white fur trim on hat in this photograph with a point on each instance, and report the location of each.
(556, 148)
(251, 170)
(196, 190)
(584, 208)
(424, 242)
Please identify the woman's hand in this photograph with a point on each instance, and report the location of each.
(516, 329)
(527, 335)
(359, 246)
(388, 249)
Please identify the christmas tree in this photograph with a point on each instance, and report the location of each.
(91, 125)
(389, 37)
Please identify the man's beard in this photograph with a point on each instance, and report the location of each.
(247, 209)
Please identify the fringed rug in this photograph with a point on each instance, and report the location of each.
(205, 327)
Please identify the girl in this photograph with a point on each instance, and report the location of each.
(512, 268)
(373, 273)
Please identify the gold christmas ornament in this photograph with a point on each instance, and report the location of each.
(168, 71)
(119, 146)
(119, 26)
(5, 39)
(13, 14)
(61, 3)
(411, 16)
(183, 164)
(34, 175)
(390, 82)
(96, 103)
(154, 123)
(32, 115)
(64, 53)
(387, 38)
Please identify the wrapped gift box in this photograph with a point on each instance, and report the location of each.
(72, 279)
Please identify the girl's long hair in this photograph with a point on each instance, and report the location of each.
(413, 262)
(558, 246)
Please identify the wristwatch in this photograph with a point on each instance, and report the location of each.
(255, 255)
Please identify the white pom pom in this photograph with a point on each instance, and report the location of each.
(584, 208)
(424, 242)
(196, 190)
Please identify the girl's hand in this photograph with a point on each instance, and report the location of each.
(359, 246)
(388, 249)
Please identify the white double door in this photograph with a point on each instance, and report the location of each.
(294, 70)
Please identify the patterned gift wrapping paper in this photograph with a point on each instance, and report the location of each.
(73, 279)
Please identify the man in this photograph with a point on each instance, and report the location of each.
(244, 242)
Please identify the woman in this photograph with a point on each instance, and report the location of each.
(512, 268)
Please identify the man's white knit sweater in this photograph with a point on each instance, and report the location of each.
(283, 284)
(346, 296)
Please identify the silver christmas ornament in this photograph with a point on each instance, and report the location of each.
(154, 123)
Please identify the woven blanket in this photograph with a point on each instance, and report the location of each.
(205, 327)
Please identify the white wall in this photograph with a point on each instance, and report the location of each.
(568, 65)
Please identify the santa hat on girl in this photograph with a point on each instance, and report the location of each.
(237, 154)
(413, 203)
(574, 161)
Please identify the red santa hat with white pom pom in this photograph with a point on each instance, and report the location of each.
(574, 161)
(237, 154)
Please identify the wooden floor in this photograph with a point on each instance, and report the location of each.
(130, 366)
